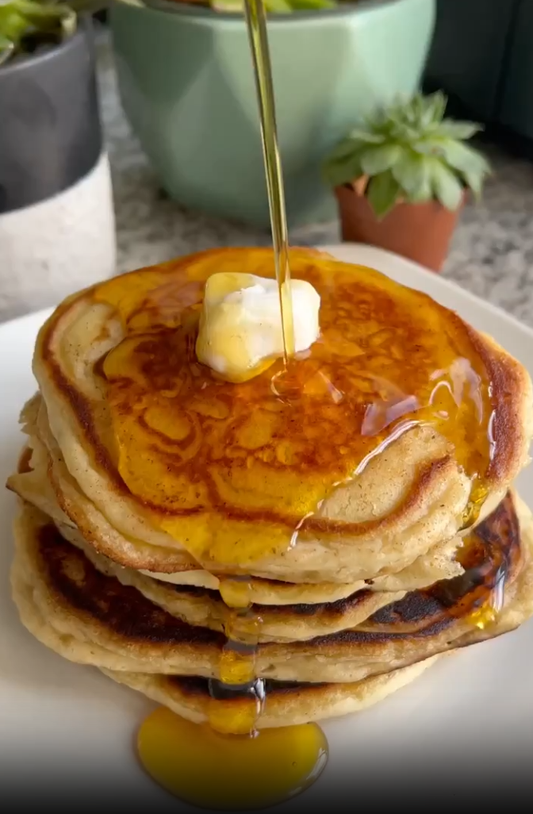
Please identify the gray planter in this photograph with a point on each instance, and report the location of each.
(50, 135)
(56, 215)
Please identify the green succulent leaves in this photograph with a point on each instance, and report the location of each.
(382, 192)
(410, 152)
(275, 6)
(25, 23)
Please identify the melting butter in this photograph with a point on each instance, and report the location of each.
(240, 332)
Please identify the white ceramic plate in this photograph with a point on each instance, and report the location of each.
(67, 733)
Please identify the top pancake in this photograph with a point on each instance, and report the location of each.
(177, 459)
(43, 481)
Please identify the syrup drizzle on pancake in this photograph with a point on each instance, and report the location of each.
(236, 473)
(93, 596)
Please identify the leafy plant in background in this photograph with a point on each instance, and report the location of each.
(410, 152)
(237, 6)
(275, 6)
(27, 25)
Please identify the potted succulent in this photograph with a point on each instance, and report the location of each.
(56, 213)
(402, 179)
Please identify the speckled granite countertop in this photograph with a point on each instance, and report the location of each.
(492, 252)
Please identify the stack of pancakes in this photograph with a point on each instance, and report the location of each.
(123, 557)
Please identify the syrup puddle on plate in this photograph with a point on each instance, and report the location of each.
(230, 772)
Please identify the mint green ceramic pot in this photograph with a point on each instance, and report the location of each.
(186, 85)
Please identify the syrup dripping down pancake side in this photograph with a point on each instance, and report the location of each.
(205, 608)
(286, 704)
(51, 488)
(489, 557)
(298, 621)
(93, 619)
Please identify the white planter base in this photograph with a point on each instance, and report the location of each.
(54, 248)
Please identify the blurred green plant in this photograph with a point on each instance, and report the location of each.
(237, 6)
(275, 6)
(409, 151)
(27, 24)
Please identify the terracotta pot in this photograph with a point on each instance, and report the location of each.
(420, 232)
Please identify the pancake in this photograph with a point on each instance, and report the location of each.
(175, 459)
(47, 485)
(91, 618)
(436, 563)
(286, 704)
(204, 607)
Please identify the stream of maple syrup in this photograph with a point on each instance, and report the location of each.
(257, 34)
(237, 666)
(249, 769)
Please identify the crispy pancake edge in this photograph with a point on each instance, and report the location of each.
(285, 705)
(162, 645)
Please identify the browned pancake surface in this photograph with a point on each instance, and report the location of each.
(76, 599)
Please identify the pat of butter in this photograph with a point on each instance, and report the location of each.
(240, 330)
